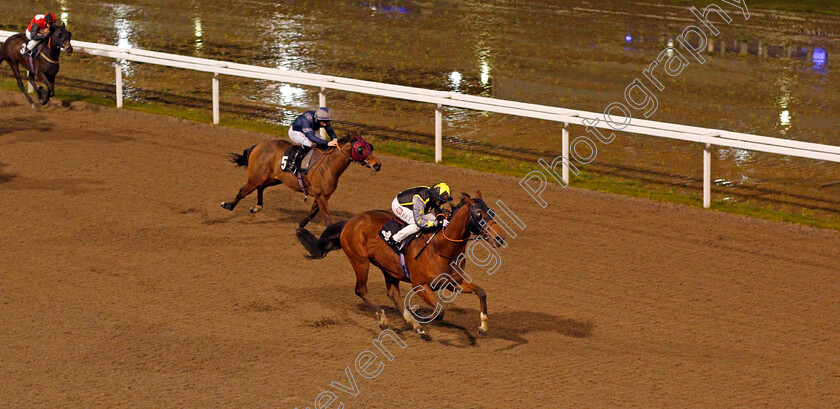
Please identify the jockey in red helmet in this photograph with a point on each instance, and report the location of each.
(38, 30)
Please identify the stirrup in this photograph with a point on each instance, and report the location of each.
(399, 246)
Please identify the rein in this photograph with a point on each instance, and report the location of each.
(49, 47)
(44, 56)
(323, 154)
(443, 230)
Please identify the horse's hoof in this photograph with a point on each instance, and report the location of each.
(227, 205)
(383, 325)
(256, 209)
(425, 336)
(482, 333)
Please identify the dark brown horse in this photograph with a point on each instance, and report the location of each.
(430, 270)
(45, 62)
(264, 169)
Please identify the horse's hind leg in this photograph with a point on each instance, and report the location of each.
(393, 287)
(16, 71)
(245, 191)
(482, 297)
(362, 267)
(259, 205)
(260, 190)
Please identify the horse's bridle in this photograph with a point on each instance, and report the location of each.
(49, 47)
(474, 226)
(363, 160)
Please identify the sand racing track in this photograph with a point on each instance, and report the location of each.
(124, 284)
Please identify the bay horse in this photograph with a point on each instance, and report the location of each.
(45, 63)
(427, 257)
(264, 169)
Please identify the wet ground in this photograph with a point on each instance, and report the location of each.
(771, 75)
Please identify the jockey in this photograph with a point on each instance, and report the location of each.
(304, 132)
(419, 207)
(38, 30)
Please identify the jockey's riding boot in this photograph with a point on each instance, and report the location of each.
(301, 153)
(399, 246)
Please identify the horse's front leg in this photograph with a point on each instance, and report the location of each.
(325, 212)
(51, 84)
(43, 95)
(312, 214)
(482, 297)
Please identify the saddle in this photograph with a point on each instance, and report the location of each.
(390, 228)
(294, 162)
(33, 56)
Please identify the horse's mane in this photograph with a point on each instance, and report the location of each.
(459, 205)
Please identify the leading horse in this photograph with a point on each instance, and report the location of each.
(264, 169)
(44, 66)
(428, 258)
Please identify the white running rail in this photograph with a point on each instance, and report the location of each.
(705, 136)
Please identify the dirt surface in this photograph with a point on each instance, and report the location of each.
(124, 284)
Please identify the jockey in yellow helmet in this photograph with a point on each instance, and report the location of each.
(418, 207)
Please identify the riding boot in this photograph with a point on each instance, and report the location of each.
(399, 246)
(301, 153)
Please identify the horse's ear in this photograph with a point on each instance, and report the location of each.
(478, 194)
(359, 133)
(466, 198)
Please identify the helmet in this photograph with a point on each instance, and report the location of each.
(441, 192)
(323, 114)
(49, 17)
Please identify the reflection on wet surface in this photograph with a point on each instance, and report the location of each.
(771, 75)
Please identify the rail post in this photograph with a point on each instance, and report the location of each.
(438, 133)
(119, 82)
(216, 98)
(322, 102)
(707, 176)
(565, 153)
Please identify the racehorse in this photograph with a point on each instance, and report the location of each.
(427, 257)
(264, 169)
(44, 66)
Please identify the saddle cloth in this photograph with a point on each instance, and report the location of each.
(390, 228)
(304, 163)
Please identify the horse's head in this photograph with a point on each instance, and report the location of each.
(482, 219)
(361, 151)
(60, 37)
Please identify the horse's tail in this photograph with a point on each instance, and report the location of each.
(2, 54)
(319, 247)
(241, 160)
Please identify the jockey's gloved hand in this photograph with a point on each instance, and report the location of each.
(441, 222)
